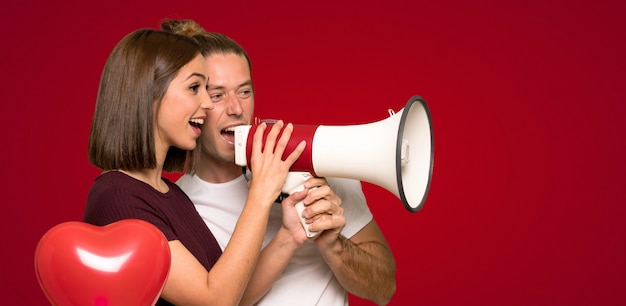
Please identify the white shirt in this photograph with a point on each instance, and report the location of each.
(307, 279)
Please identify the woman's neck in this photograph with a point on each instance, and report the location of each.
(151, 177)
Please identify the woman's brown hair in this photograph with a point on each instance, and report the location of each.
(133, 83)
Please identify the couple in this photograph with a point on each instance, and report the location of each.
(166, 102)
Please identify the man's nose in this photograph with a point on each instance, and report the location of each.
(234, 105)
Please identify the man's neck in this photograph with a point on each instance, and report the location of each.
(217, 173)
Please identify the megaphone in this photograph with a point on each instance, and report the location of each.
(395, 153)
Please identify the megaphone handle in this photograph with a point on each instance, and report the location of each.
(294, 183)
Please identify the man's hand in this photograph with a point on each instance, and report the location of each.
(323, 212)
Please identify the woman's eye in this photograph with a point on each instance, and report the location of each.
(194, 88)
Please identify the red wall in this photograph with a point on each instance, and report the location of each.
(527, 99)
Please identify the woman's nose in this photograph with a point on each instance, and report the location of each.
(207, 103)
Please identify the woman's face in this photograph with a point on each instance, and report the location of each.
(183, 109)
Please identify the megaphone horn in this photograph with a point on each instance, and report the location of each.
(395, 153)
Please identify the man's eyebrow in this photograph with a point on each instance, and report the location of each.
(221, 87)
(246, 83)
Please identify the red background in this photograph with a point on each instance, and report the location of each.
(527, 204)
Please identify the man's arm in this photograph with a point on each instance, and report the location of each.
(364, 264)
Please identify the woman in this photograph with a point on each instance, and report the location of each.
(151, 104)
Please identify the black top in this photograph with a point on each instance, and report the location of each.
(115, 196)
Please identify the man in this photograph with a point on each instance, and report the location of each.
(351, 254)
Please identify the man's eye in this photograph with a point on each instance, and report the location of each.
(216, 97)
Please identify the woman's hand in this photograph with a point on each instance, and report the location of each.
(269, 170)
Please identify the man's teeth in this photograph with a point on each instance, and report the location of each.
(229, 129)
(196, 121)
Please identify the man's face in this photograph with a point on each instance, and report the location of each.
(231, 90)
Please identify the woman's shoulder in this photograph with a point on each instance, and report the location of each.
(114, 196)
(112, 180)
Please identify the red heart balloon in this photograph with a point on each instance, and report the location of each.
(123, 263)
